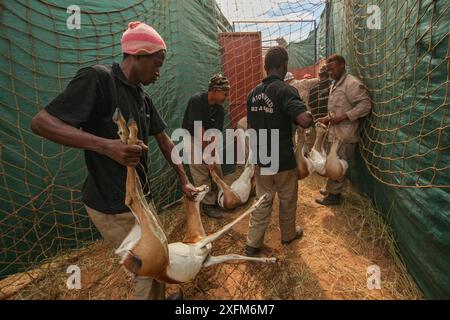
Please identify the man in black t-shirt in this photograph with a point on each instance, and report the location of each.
(275, 105)
(88, 103)
(207, 107)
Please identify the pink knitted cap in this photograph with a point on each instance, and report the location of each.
(141, 39)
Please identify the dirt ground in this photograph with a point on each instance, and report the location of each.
(329, 262)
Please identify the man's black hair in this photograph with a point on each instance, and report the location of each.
(276, 57)
(336, 58)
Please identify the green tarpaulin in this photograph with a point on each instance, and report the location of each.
(404, 160)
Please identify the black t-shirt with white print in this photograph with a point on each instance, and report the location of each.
(275, 105)
(88, 103)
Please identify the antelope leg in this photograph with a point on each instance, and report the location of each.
(234, 257)
(221, 232)
(129, 241)
(122, 126)
(222, 184)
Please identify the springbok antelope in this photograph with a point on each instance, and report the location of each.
(318, 155)
(304, 165)
(335, 167)
(231, 197)
(146, 252)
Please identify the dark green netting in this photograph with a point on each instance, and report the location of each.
(301, 54)
(321, 42)
(404, 160)
(308, 52)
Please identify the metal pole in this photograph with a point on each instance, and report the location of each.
(270, 21)
(315, 42)
(327, 26)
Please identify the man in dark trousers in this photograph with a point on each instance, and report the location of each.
(207, 108)
(348, 102)
(275, 105)
(88, 103)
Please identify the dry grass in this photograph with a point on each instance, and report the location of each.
(330, 262)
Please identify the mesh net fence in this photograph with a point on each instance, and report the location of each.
(403, 163)
(404, 62)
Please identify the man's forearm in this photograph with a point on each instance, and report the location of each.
(166, 146)
(180, 171)
(341, 118)
(53, 129)
(362, 109)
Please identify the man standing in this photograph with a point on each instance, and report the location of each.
(207, 107)
(88, 103)
(348, 102)
(275, 106)
(303, 86)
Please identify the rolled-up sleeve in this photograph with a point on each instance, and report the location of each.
(359, 97)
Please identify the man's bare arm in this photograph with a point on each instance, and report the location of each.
(166, 146)
(53, 129)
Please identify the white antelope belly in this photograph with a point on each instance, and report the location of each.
(186, 261)
(242, 189)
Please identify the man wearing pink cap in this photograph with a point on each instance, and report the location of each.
(88, 103)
